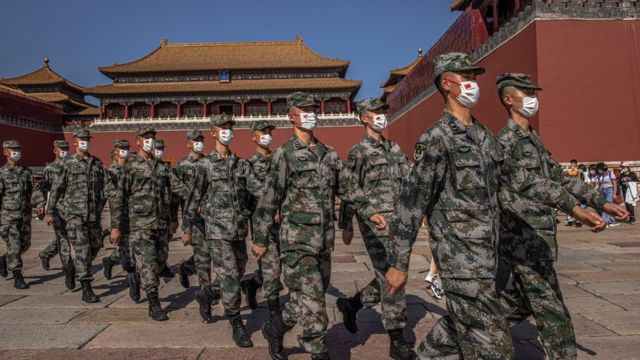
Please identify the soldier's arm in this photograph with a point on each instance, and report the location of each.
(193, 200)
(177, 186)
(355, 165)
(578, 188)
(38, 198)
(57, 188)
(424, 180)
(271, 198)
(119, 197)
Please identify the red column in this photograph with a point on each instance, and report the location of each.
(348, 106)
(152, 110)
(178, 110)
(495, 15)
(205, 109)
(322, 106)
(242, 108)
(517, 6)
(126, 111)
(269, 107)
(101, 111)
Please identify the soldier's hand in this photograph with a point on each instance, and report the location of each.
(347, 236)
(49, 220)
(619, 213)
(396, 280)
(258, 251)
(379, 221)
(40, 212)
(589, 218)
(174, 227)
(115, 236)
(186, 239)
(276, 218)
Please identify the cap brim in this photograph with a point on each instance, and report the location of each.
(314, 104)
(476, 69)
(147, 132)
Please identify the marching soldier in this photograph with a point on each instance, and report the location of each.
(142, 190)
(303, 179)
(381, 168)
(267, 275)
(459, 170)
(17, 196)
(528, 245)
(220, 193)
(80, 191)
(172, 219)
(60, 244)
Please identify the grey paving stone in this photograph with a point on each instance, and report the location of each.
(47, 336)
(28, 316)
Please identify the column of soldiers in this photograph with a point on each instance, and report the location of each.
(489, 202)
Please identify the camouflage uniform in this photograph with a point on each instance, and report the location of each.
(80, 192)
(170, 216)
(458, 173)
(380, 168)
(528, 245)
(60, 244)
(17, 195)
(302, 183)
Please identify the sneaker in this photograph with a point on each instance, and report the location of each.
(613, 224)
(436, 288)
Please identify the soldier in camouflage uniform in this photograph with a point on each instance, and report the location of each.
(80, 191)
(459, 169)
(17, 195)
(144, 187)
(60, 244)
(528, 245)
(267, 275)
(304, 177)
(172, 220)
(221, 194)
(121, 254)
(380, 167)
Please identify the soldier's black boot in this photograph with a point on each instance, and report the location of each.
(400, 349)
(273, 331)
(274, 309)
(215, 291)
(166, 272)
(204, 297)
(183, 273)
(87, 293)
(69, 271)
(133, 278)
(3, 266)
(323, 356)
(250, 288)
(155, 310)
(44, 261)
(107, 267)
(18, 280)
(349, 308)
(240, 335)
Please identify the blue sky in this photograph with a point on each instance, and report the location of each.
(78, 36)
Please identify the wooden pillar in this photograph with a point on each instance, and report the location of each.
(101, 111)
(242, 110)
(495, 15)
(322, 106)
(178, 109)
(152, 110)
(348, 106)
(126, 110)
(205, 109)
(269, 108)
(517, 6)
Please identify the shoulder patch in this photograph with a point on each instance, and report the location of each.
(418, 152)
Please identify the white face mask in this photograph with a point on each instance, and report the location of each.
(123, 153)
(225, 136)
(157, 153)
(379, 122)
(529, 106)
(15, 155)
(308, 120)
(63, 154)
(147, 145)
(469, 94)
(198, 147)
(83, 145)
(265, 140)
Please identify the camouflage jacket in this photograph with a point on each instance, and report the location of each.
(145, 186)
(302, 183)
(186, 171)
(174, 197)
(50, 174)
(380, 168)
(80, 189)
(221, 194)
(455, 182)
(111, 184)
(17, 194)
(260, 167)
(527, 150)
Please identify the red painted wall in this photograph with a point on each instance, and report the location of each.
(37, 146)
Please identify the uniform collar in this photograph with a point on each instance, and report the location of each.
(299, 144)
(375, 143)
(217, 156)
(454, 123)
(517, 129)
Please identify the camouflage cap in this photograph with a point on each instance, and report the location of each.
(61, 144)
(158, 144)
(301, 99)
(194, 134)
(370, 104)
(145, 130)
(121, 144)
(455, 62)
(518, 80)
(221, 119)
(262, 125)
(11, 144)
(82, 134)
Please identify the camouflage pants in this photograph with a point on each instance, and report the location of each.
(86, 240)
(16, 236)
(307, 278)
(475, 326)
(145, 246)
(393, 306)
(60, 244)
(230, 259)
(163, 249)
(268, 272)
(122, 252)
(202, 257)
(537, 292)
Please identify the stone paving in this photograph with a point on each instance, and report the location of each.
(600, 276)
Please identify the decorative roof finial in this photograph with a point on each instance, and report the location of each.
(46, 62)
(299, 38)
(164, 42)
(420, 52)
